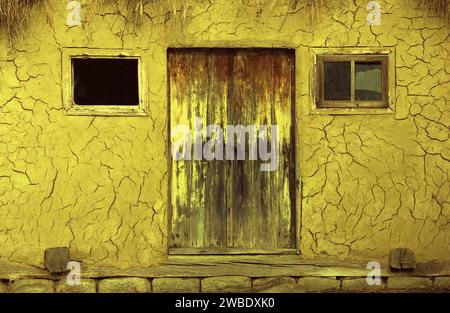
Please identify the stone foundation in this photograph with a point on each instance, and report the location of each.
(228, 284)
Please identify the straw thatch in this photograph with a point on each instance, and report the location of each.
(438, 7)
(14, 13)
(173, 8)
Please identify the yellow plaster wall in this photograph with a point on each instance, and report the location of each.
(100, 186)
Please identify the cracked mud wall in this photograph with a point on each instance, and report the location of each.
(99, 185)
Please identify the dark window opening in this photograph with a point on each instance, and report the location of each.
(337, 82)
(105, 81)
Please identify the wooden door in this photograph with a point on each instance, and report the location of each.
(231, 206)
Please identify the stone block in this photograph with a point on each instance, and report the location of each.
(176, 285)
(402, 259)
(56, 259)
(226, 284)
(33, 286)
(3, 287)
(275, 284)
(442, 282)
(318, 284)
(360, 284)
(86, 286)
(124, 285)
(408, 283)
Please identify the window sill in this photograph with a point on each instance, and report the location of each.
(94, 110)
(352, 111)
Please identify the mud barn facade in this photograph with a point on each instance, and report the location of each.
(88, 113)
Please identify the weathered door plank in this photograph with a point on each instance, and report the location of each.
(232, 203)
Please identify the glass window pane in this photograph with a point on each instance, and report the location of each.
(337, 82)
(368, 81)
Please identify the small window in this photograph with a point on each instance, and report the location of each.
(352, 81)
(104, 82)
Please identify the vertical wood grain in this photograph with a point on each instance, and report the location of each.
(232, 203)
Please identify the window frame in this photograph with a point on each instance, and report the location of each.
(353, 55)
(71, 108)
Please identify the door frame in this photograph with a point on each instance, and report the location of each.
(294, 182)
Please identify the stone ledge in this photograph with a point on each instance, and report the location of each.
(214, 266)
